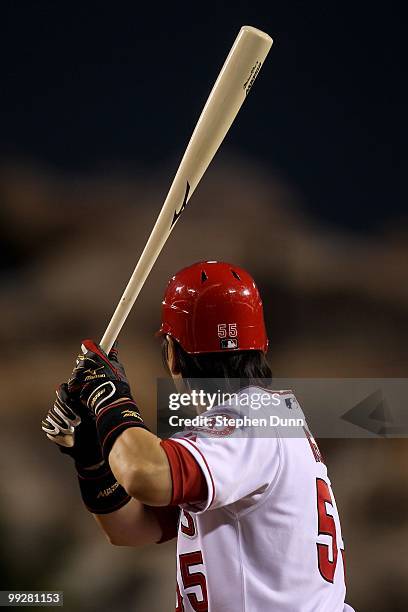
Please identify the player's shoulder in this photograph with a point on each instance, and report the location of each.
(273, 413)
(266, 402)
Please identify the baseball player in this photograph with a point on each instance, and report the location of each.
(253, 511)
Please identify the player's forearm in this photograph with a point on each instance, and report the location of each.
(131, 525)
(141, 466)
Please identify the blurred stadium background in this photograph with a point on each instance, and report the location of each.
(97, 105)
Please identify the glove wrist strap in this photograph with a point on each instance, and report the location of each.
(112, 420)
(100, 490)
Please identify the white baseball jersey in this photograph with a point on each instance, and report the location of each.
(268, 537)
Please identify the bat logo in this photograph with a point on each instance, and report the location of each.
(177, 214)
(252, 76)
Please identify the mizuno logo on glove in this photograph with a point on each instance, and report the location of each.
(100, 395)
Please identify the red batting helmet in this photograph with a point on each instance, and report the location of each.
(214, 307)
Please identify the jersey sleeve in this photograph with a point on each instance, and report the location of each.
(188, 482)
(239, 470)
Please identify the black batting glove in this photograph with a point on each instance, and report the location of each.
(72, 427)
(101, 383)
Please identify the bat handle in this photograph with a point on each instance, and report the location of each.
(141, 272)
(108, 339)
(122, 310)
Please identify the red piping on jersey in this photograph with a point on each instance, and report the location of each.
(205, 461)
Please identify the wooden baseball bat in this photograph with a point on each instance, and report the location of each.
(226, 98)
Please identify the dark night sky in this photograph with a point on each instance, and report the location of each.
(95, 82)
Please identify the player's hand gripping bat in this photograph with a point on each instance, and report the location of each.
(226, 98)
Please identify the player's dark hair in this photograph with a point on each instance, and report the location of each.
(238, 368)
